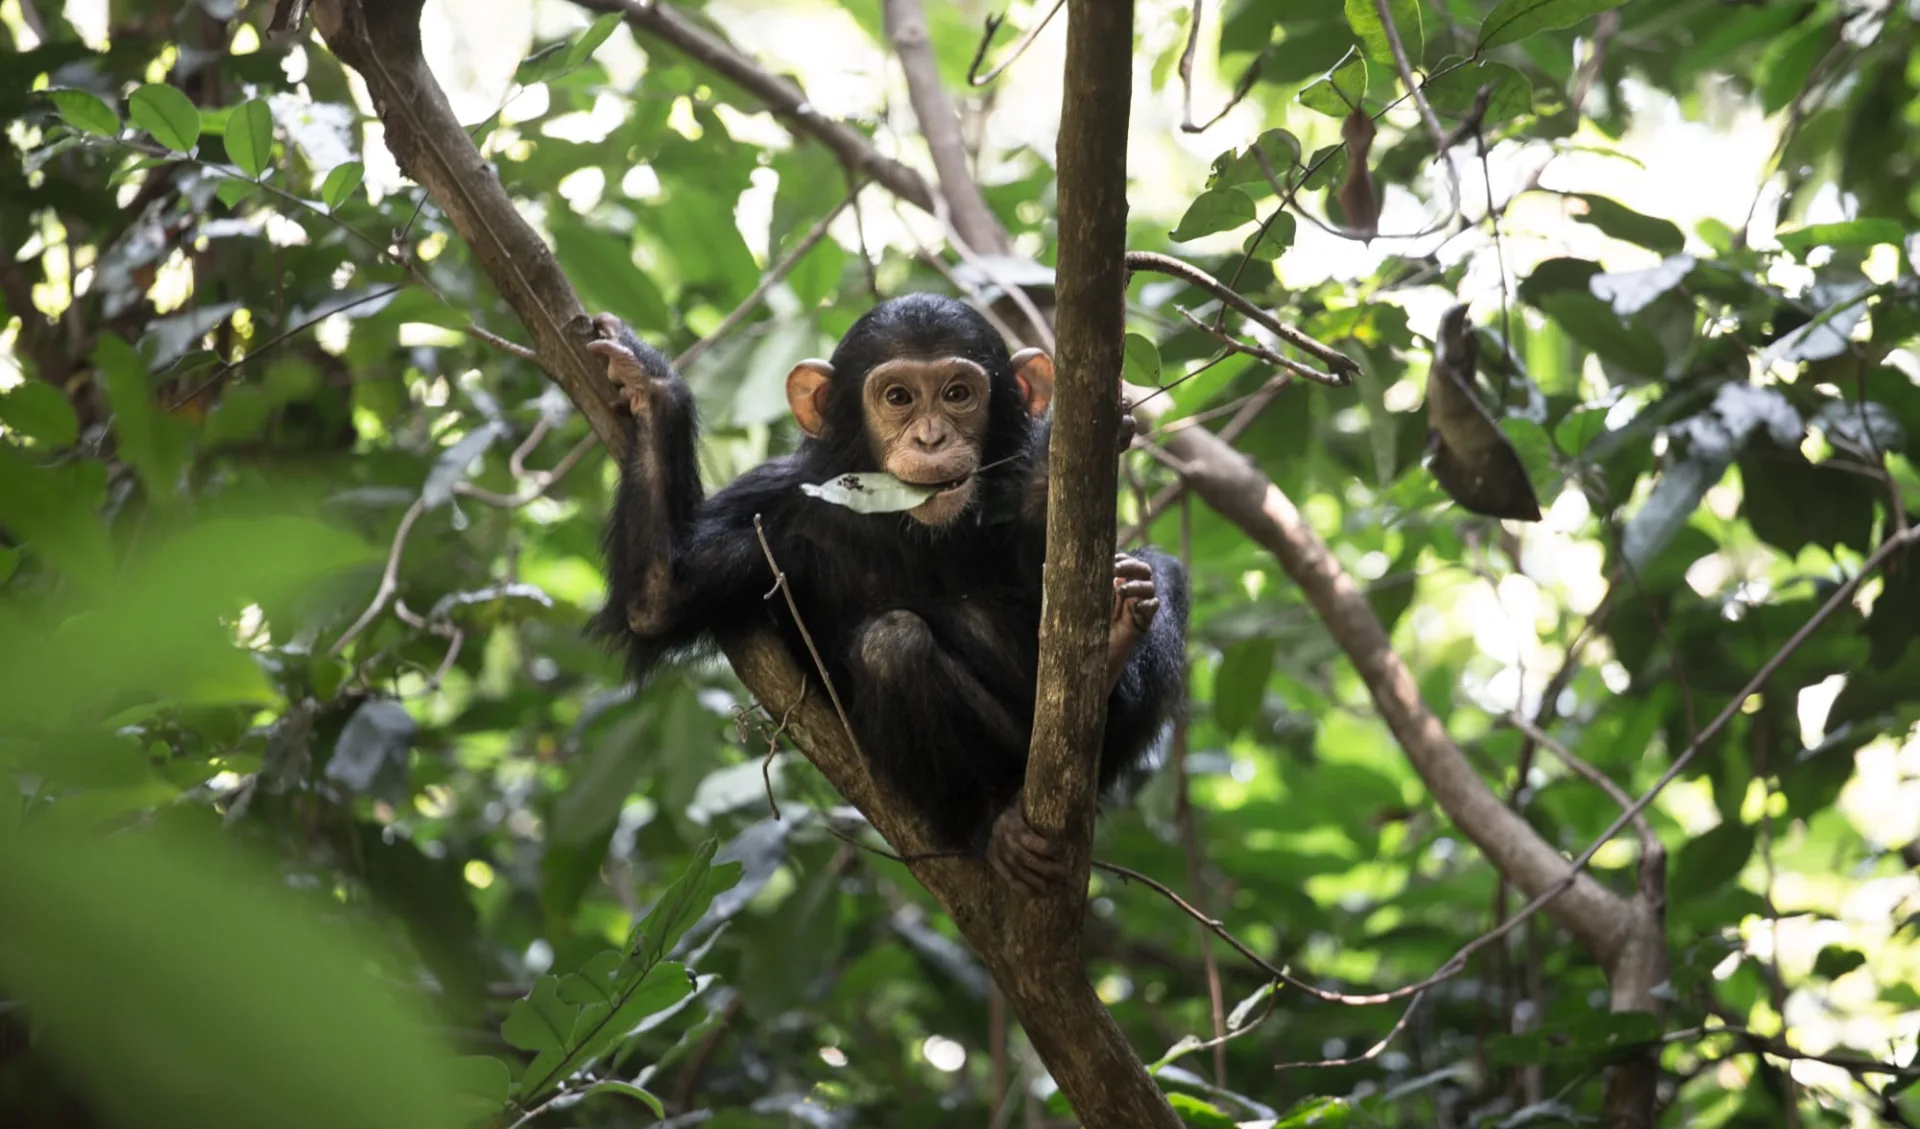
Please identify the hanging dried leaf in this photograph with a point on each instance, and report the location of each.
(1357, 197)
(1471, 459)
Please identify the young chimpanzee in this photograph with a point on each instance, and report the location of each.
(928, 621)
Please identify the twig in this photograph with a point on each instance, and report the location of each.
(781, 586)
(501, 343)
(1840, 596)
(771, 279)
(1782, 1049)
(389, 577)
(1589, 773)
(974, 77)
(1258, 352)
(1240, 89)
(1189, 824)
(1405, 66)
(1042, 328)
(906, 26)
(1369, 1054)
(781, 96)
(1343, 367)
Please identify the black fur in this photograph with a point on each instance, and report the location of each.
(931, 635)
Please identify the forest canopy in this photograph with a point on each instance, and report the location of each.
(327, 811)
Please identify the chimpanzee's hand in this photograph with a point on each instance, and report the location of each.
(1136, 600)
(1022, 855)
(624, 368)
(1129, 427)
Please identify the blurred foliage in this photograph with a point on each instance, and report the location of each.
(455, 873)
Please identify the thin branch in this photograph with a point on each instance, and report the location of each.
(1648, 840)
(974, 77)
(768, 281)
(781, 586)
(906, 25)
(1405, 65)
(1342, 365)
(1240, 89)
(781, 96)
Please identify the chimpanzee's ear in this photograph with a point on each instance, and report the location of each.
(807, 396)
(1034, 370)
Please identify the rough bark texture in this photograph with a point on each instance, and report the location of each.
(1070, 708)
(1031, 952)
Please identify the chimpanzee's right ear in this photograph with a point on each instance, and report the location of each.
(807, 388)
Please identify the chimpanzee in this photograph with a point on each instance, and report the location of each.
(927, 621)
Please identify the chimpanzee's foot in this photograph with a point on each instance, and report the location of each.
(1022, 855)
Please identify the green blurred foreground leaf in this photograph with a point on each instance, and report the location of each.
(188, 990)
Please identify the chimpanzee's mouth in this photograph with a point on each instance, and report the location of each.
(946, 486)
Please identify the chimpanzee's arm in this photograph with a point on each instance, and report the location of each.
(675, 559)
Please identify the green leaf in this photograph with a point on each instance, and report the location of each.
(1853, 233)
(181, 987)
(629, 1090)
(249, 136)
(1363, 16)
(1240, 685)
(37, 411)
(1214, 211)
(1317, 1113)
(1341, 90)
(1579, 429)
(683, 902)
(1836, 961)
(153, 443)
(85, 111)
(1454, 87)
(1514, 20)
(484, 1084)
(816, 277)
(1142, 361)
(1197, 1111)
(1708, 862)
(875, 492)
(1623, 223)
(588, 41)
(167, 114)
(1270, 244)
(1592, 323)
(233, 189)
(341, 183)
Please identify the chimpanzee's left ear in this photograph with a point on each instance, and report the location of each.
(1034, 370)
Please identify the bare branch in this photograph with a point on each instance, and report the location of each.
(1342, 365)
(974, 77)
(782, 97)
(906, 25)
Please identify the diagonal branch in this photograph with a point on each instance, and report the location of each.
(783, 98)
(1083, 1048)
(906, 23)
(1234, 487)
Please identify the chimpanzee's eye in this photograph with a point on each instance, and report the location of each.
(898, 396)
(958, 393)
